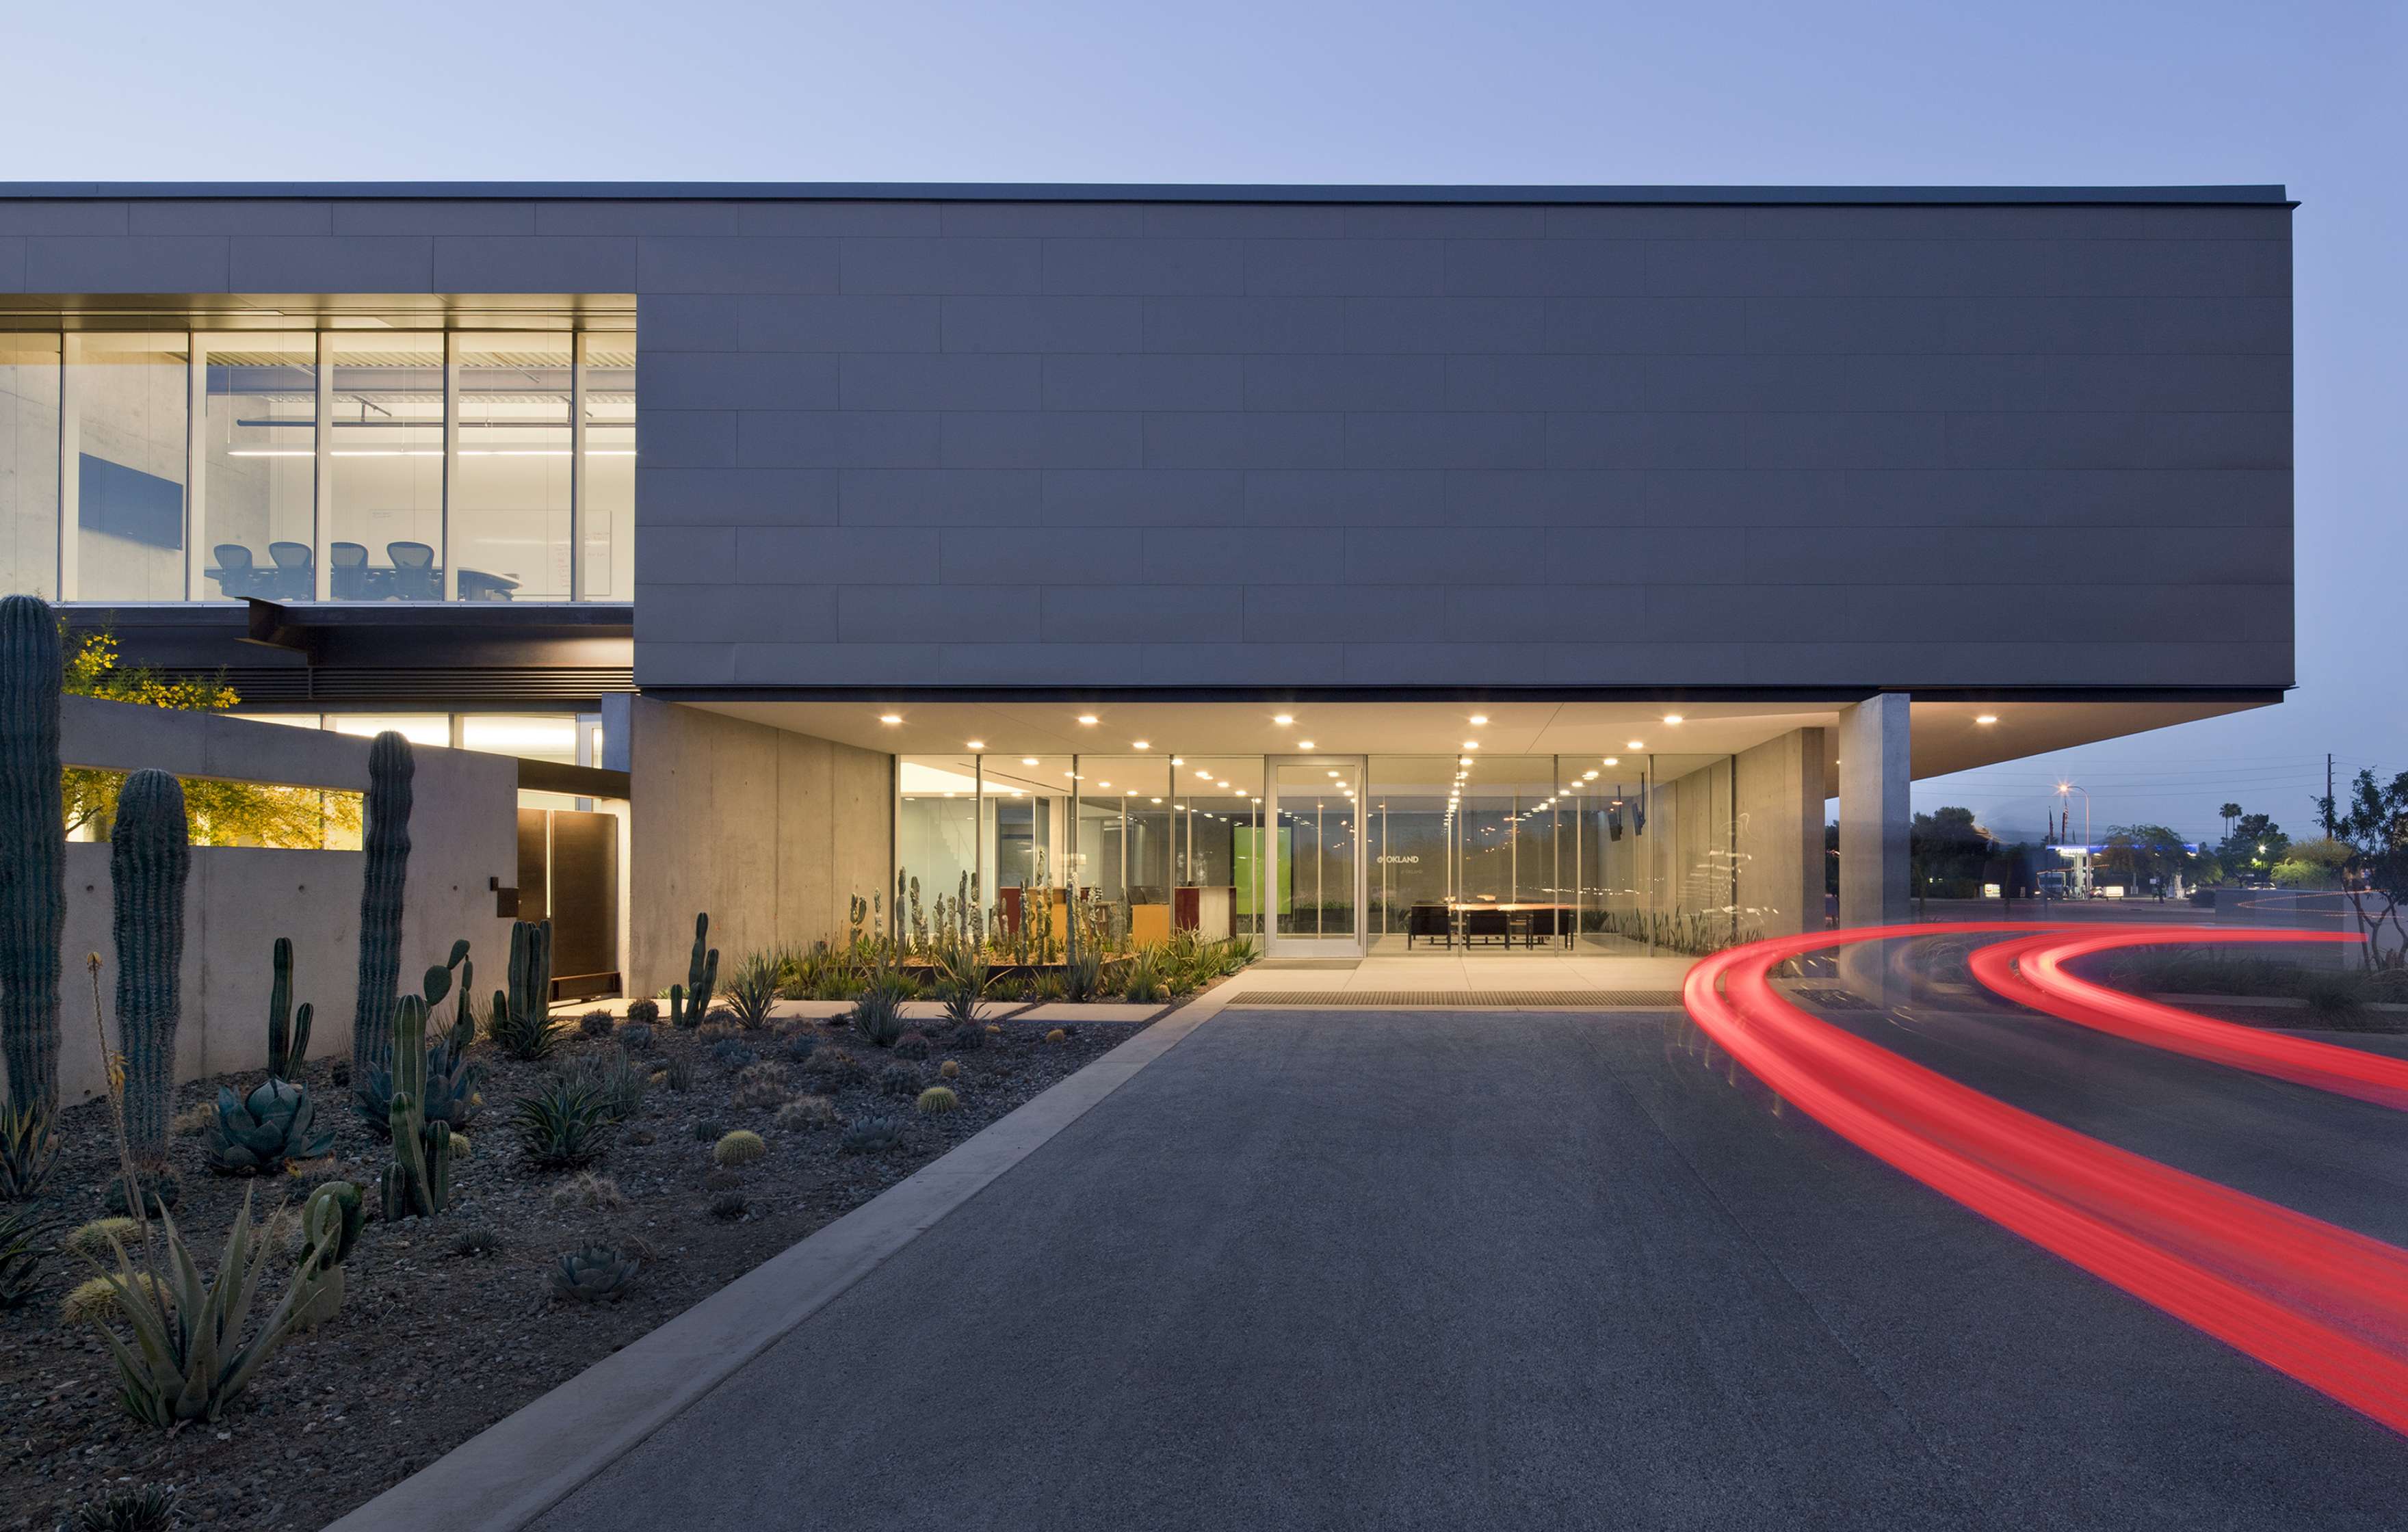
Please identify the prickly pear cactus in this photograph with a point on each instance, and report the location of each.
(385, 839)
(150, 859)
(33, 852)
(330, 1226)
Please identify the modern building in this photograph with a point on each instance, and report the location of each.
(1368, 567)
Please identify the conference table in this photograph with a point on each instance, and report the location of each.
(1506, 922)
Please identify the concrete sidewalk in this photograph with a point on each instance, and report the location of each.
(1432, 1270)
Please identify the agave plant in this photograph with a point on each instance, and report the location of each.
(564, 1124)
(1142, 984)
(593, 1274)
(189, 1354)
(276, 1122)
(612, 1074)
(21, 1255)
(151, 1509)
(29, 1150)
(753, 990)
(878, 1016)
(871, 1135)
(1083, 977)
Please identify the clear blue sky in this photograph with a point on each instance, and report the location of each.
(2305, 94)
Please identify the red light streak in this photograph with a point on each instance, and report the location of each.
(2323, 1304)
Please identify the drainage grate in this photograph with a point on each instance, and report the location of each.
(1466, 999)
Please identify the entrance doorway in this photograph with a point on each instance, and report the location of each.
(1312, 865)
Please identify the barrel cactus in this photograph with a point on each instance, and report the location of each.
(385, 839)
(149, 860)
(740, 1148)
(593, 1274)
(32, 852)
(938, 1099)
(276, 1122)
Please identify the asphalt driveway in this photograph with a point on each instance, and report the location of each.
(1439, 1269)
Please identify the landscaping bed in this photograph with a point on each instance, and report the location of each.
(432, 1346)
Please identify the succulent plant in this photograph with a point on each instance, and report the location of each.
(91, 1240)
(967, 1040)
(637, 1037)
(754, 991)
(469, 1243)
(521, 1023)
(708, 1131)
(898, 1080)
(451, 1094)
(189, 1354)
(878, 1016)
(805, 1111)
(151, 1509)
(801, 1049)
(731, 1055)
(22, 1254)
(594, 1274)
(150, 862)
(418, 1183)
(564, 1124)
(596, 1023)
(32, 856)
(677, 1075)
(937, 1099)
(588, 1191)
(275, 1122)
(832, 1071)
(1057, 1034)
(729, 1205)
(384, 837)
(29, 1150)
(871, 1135)
(331, 1222)
(615, 1075)
(740, 1148)
(759, 1095)
(911, 1045)
(688, 1001)
(647, 1010)
(949, 1070)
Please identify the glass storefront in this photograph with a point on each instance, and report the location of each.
(374, 463)
(1443, 853)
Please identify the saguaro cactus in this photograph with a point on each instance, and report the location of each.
(288, 1031)
(150, 859)
(419, 1179)
(33, 852)
(531, 967)
(701, 977)
(385, 838)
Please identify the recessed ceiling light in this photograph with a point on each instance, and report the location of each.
(1588, 776)
(976, 744)
(1156, 800)
(1087, 718)
(890, 718)
(1304, 744)
(1672, 718)
(1639, 744)
(1139, 744)
(1103, 784)
(1477, 718)
(1028, 760)
(1610, 759)
(1986, 718)
(1206, 775)
(1471, 744)
(1463, 760)
(1284, 720)
(1333, 774)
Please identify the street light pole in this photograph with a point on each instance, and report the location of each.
(2062, 789)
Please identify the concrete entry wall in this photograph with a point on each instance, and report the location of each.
(767, 831)
(462, 832)
(1780, 833)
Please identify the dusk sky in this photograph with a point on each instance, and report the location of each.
(2308, 95)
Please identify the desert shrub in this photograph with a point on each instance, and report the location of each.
(1049, 987)
(753, 990)
(730, 1054)
(832, 1070)
(194, 1120)
(740, 1148)
(588, 1191)
(911, 1045)
(898, 1080)
(617, 1078)
(596, 1023)
(1144, 984)
(646, 1010)
(722, 1018)
(2333, 996)
(801, 1049)
(878, 1016)
(967, 1039)
(637, 1037)
(937, 1099)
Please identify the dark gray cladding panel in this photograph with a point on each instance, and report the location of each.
(1231, 436)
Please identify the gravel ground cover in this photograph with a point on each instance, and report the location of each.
(435, 1340)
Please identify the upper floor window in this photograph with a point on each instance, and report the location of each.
(372, 464)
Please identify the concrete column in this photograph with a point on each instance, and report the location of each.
(1875, 821)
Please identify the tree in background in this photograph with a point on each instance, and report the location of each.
(2230, 813)
(1950, 852)
(221, 813)
(2146, 854)
(2373, 825)
(2252, 846)
(2319, 864)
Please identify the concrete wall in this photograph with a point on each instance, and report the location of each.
(1780, 833)
(1700, 438)
(767, 831)
(240, 899)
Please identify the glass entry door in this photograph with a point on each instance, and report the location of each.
(1314, 862)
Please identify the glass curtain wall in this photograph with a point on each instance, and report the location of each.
(1218, 831)
(356, 465)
